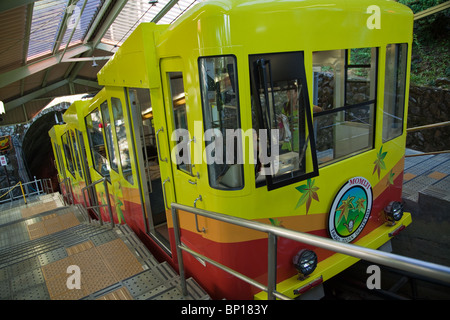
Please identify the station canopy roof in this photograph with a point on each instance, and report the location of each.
(52, 48)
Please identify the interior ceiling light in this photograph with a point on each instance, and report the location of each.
(2, 107)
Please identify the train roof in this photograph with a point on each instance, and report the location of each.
(261, 26)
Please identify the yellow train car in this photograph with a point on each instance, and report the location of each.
(291, 113)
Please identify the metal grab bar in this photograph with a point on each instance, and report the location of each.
(157, 142)
(427, 269)
(108, 201)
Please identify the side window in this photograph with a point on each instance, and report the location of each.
(220, 101)
(281, 118)
(344, 102)
(108, 135)
(180, 121)
(68, 153)
(394, 90)
(121, 139)
(60, 162)
(97, 143)
(75, 151)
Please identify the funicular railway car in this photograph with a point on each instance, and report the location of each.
(290, 113)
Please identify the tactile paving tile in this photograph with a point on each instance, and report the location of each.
(52, 225)
(69, 220)
(120, 259)
(57, 268)
(119, 294)
(96, 277)
(36, 230)
(58, 290)
(437, 175)
(80, 247)
(35, 209)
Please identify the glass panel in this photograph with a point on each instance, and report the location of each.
(121, 138)
(60, 162)
(344, 127)
(394, 90)
(221, 118)
(344, 133)
(68, 153)
(183, 158)
(97, 143)
(75, 150)
(360, 71)
(280, 103)
(108, 135)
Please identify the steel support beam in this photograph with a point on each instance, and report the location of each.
(35, 94)
(11, 4)
(27, 70)
(73, 71)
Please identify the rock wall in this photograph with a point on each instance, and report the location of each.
(428, 106)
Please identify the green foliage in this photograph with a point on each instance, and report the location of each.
(430, 56)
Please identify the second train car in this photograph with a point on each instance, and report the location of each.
(291, 113)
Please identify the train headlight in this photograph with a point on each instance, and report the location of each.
(393, 211)
(305, 261)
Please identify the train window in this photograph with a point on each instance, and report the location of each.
(97, 143)
(59, 160)
(68, 153)
(121, 139)
(75, 151)
(218, 82)
(108, 135)
(344, 102)
(281, 117)
(180, 121)
(394, 90)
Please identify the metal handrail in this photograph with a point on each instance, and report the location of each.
(108, 201)
(427, 269)
(429, 126)
(31, 188)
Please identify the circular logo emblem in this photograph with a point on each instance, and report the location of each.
(350, 210)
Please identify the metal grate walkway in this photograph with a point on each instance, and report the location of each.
(38, 243)
(427, 175)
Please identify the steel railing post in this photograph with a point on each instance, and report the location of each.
(108, 201)
(271, 265)
(176, 229)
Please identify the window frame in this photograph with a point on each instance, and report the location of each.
(284, 179)
(92, 147)
(239, 120)
(68, 153)
(347, 107)
(398, 58)
(120, 151)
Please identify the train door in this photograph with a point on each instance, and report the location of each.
(151, 150)
(91, 196)
(180, 129)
